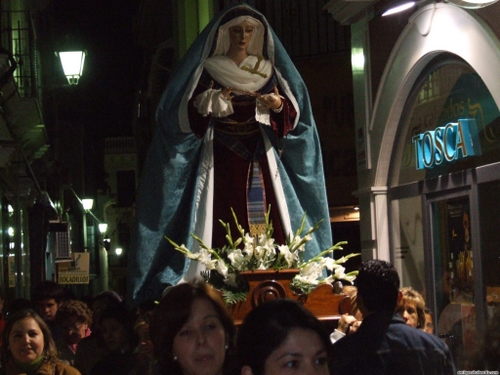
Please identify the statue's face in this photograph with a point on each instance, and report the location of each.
(240, 35)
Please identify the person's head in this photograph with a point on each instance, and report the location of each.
(75, 318)
(378, 287)
(411, 307)
(239, 22)
(26, 337)
(191, 330)
(107, 300)
(429, 322)
(281, 336)
(117, 329)
(47, 297)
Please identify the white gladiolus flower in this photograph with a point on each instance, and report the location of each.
(188, 253)
(311, 280)
(262, 266)
(307, 238)
(295, 242)
(237, 258)
(288, 255)
(340, 273)
(249, 245)
(248, 239)
(261, 252)
(331, 264)
(222, 268)
(205, 258)
(312, 269)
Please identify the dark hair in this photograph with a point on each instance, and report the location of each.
(124, 317)
(49, 290)
(174, 311)
(49, 349)
(110, 301)
(378, 286)
(267, 326)
(74, 308)
(112, 297)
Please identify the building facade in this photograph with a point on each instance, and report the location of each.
(427, 98)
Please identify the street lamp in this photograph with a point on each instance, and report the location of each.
(72, 63)
(87, 204)
(103, 227)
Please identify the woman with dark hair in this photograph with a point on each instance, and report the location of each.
(192, 331)
(280, 337)
(239, 114)
(29, 348)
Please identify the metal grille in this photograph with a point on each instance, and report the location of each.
(303, 26)
(17, 31)
(62, 241)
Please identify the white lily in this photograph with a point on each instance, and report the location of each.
(221, 268)
(237, 258)
(290, 257)
(311, 280)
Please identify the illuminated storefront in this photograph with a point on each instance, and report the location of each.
(428, 147)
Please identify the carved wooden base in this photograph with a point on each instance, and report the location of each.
(268, 285)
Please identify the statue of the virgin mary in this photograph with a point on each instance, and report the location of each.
(235, 131)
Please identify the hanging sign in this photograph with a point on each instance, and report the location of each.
(455, 140)
(76, 271)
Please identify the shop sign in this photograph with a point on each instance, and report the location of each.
(455, 140)
(76, 271)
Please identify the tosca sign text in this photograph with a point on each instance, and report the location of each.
(448, 143)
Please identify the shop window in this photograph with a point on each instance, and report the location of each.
(447, 91)
(434, 234)
(407, 241)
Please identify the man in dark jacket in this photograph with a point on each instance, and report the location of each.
(384, 344)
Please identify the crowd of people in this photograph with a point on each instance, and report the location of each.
(189, 331)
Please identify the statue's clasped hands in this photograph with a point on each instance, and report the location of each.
(273, 100)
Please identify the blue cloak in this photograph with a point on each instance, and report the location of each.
(170, 179)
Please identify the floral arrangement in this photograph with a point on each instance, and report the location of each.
(247, 253)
